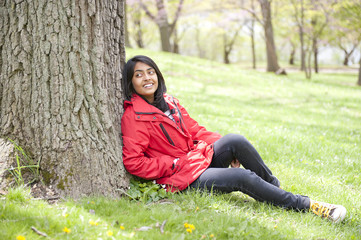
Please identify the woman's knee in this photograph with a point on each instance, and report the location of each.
(236, 140)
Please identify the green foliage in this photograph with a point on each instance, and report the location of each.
(20, 194)
(23, 163)
(146, 191)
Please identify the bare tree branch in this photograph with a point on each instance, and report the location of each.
(176, 17)
(149, 14)
(254, 14)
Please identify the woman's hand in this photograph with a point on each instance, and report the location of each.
(235, 164)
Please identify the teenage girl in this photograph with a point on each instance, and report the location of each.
(162, 142)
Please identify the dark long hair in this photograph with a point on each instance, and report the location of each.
(127, 84)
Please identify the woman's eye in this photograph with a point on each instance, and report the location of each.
(151, 72)
(138, 75)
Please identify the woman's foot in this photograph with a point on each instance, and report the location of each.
(335, 213)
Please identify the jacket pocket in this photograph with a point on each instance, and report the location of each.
(166, 134)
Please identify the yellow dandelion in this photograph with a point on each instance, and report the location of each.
(275, 226)
(122, 227)
(197, 209)
(109, 233)
(93, 223)
(65, 215)
(189, 230)
(20, 237)
(186, 225)
(66, 230)
(212, 235)
(191, 226)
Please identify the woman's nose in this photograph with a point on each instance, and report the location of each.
(146, 76)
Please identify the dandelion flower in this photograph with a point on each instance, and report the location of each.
(189, 230)
(109, 233)
(212, 235)
(122, 227)
(20, 237)
(66, 230)
(93, 223)
(191, 226)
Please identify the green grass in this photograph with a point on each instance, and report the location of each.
(307, 131)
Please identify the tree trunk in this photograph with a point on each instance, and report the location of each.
(164, 37)
(359, 74)
(163, 25)
(302, 41)
(291, 61)
(175, 42)
(60, 90)
(272, 62)
(254, 66)
(139, 34)
(126, 34)
(315, 54)
(308, 67)
(253, 44)
(346, 60)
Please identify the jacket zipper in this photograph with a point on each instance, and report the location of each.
(166, 134)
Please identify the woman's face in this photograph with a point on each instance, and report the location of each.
(145, 81)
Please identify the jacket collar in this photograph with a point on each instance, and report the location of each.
(142, 106)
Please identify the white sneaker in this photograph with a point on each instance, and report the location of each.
(336, 213)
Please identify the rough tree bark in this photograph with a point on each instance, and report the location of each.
(272, 62)
(60, 93)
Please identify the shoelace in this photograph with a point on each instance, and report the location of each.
(321, 210)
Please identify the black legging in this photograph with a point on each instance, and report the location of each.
(256, 180)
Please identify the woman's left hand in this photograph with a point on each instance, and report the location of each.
(235, 164)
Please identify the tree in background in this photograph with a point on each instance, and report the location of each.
(126, 28)
(349, 11)
(134, 17)
(272, 61)
(228, 23)
(161, 19)
(251, 27)
(319, 15)
(266, 22)
(299, 15)
(344, 34)
(60, 92)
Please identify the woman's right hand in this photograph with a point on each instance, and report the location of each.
(235, 164)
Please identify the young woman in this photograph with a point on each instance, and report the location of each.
(162, 142)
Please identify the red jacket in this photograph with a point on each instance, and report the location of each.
(152, 141)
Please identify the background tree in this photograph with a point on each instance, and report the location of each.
(350, 13)
(126, 28)
(161, 19)
(60, 90)
(320, 14)
(299, 15)
(134, 18)
(272, 61)
(251, 28)
(344, 34)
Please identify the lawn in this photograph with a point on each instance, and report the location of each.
(307, 131)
